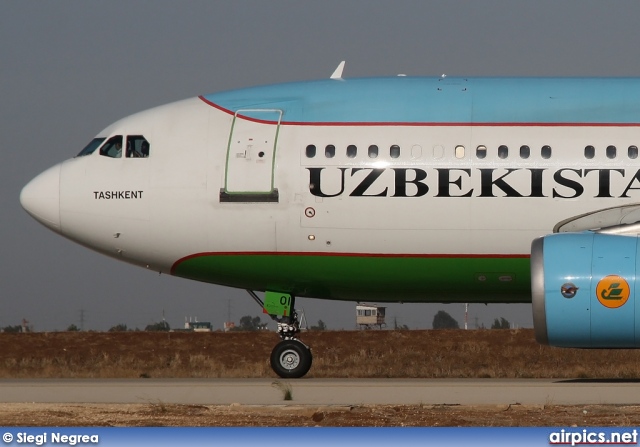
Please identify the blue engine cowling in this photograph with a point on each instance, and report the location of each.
(584, 290)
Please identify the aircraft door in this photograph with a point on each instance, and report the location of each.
(251, 157)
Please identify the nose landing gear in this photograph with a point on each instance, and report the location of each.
(290, 359)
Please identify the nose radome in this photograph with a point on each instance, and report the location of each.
(41, 198)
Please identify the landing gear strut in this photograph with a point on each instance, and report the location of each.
(290, 359)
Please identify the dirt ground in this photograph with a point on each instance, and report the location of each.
(158, 415)
(343, 354)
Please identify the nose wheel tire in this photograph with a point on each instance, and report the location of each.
(291, 359)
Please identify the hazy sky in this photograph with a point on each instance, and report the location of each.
(70, 68)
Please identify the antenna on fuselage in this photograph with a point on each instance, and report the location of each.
(337, 74)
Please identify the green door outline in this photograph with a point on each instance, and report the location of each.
(238, 139)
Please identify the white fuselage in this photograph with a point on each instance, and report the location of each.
(435, 196)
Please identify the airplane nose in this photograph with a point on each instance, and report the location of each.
(41, 198)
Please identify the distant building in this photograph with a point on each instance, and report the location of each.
(369, 316)
(197, 326)
(200, 326)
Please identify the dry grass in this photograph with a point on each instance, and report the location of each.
(362, 354)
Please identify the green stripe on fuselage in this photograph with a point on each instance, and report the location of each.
(368, 278)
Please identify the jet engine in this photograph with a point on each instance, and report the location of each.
(584, 290)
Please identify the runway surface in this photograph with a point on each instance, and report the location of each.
(324, 391)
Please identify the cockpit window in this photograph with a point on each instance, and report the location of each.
(113, 147)
(91, 147)
(137, 146)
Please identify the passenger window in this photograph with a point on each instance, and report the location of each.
(394, 151)
(589, 152)
(330, 151)
(611, 152)
(112, 148)
(373, 151)
(525, 152)
(311, 151)
(481, 152)
(503, 151)
(546, 152)
(352, 151)
(137, 146)
(633, 152)
(459, 151)
(91, 147)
